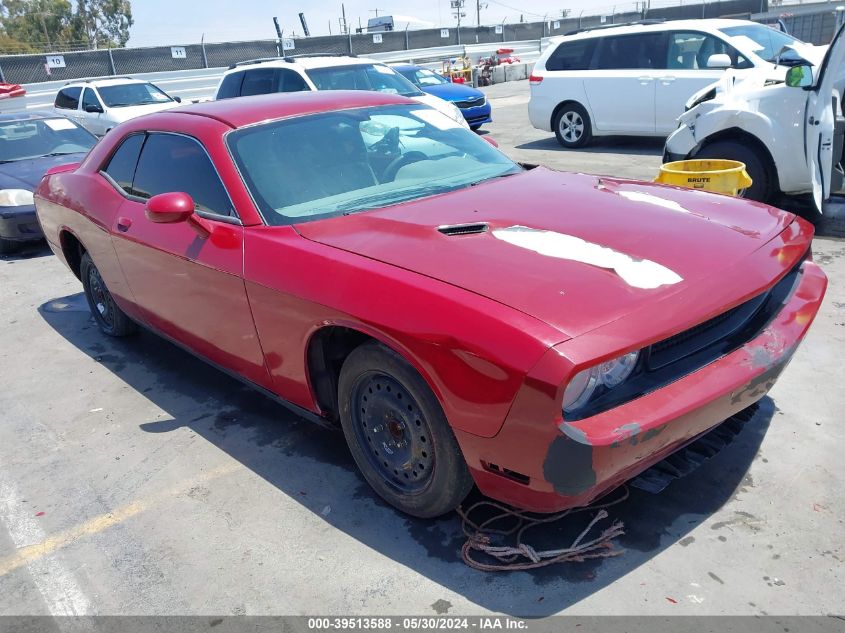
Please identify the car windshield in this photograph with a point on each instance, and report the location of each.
(132, 94)
(424, 77)
(363, 77)
(379, 156)
(34, 138)
(765, 42)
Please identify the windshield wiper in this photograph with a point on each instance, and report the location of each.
(60, 153)
(362, 204)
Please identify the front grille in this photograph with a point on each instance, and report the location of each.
(470, 103)
(670, 359)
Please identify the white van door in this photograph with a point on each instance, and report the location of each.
(687, 71)
(621, 87)
(822, 101)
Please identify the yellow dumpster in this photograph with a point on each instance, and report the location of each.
(722, 176)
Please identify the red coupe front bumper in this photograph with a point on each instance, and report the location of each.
(547, 467)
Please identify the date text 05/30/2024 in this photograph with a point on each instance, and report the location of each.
(416, 623)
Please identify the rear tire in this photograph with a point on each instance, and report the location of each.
(398, 435)
(109, 317)
(572, 126)
(762, 187)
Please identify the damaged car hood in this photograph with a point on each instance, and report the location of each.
(573, 250)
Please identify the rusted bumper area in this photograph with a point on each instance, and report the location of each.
(548, 467)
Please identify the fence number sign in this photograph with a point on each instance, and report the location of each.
(498, 29)
(178, 52)
(556, 24)
(603, 19)
(287, 44)
(444, 32)
(376, 38)
(55, 61)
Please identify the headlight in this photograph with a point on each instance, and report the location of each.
(604, 376)
(15, 197)
(457, 114)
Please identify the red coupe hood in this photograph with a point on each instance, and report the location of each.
(573, 250)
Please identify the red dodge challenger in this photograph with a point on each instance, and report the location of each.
(463, 318)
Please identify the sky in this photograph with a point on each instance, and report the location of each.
(164, 22)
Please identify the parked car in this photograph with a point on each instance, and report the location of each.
(463, 319)
(323, 72)
(790, 134)
(470, 101)
(99, 105)
(634, 79)
(30, 144)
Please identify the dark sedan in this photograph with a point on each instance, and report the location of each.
(30, 144)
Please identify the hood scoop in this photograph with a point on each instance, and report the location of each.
(452, 230)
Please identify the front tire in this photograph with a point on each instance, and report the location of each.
(398, 435)
(762, 186)
(109, 317)
(572, 126)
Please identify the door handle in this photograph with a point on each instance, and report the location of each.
(123, 224)
(667, 80)
(645, 79)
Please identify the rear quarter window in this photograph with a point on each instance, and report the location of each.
(122, 164)
(230, 86)
(68, 98)
(575, 55)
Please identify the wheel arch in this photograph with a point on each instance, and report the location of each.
(72, 250)
(328, 348)
(562, 105)
(742, 136)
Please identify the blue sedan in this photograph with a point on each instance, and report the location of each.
(471, 102)
(30, 144)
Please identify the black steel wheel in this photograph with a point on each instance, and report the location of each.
(109, 317)
(390, 424)
(398, 435)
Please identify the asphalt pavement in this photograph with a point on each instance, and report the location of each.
(134, 479)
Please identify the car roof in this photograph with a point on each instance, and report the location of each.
(406, 67)
(243, 111)
(306, 63)
(645, 27)
(29, 115)
(108, 81)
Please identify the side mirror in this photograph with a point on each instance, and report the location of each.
(800, 76)
(167, 208)
(490, 140)
(719, 60)
(93, 107)
(177, 99)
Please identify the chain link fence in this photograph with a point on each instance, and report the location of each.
(34, 68)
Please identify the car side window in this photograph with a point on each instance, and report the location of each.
(68, 98)
(89, 97)
(691, 50)
(624, 52)
(170, 162)
(574, 55)
(290, 81)
(121, 166)
(258, 81)
(230, 86)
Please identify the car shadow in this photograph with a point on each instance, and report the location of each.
(297, 457)
(632, 145)
(28, 250)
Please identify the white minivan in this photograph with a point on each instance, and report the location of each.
(634, 79)
(789, 132)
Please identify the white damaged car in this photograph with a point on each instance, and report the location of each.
(789, 131)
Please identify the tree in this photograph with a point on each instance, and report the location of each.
(103, 22)
(55, 25)
(39, 23)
